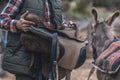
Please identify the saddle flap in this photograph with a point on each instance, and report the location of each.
(72, 53)
(37, 40)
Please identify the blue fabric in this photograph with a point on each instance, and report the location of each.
(3, 38)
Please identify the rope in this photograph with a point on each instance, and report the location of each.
(68, 74)
(91, 72)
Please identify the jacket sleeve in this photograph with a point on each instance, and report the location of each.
(8, 14)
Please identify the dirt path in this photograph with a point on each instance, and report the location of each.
(83, 72)
(78, 74)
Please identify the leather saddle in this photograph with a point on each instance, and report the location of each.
(41, 40)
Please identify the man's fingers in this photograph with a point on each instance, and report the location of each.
(25, 25)
(23, 21)
(25, 29)
(71, 22)
(25, 14)
(28, 22)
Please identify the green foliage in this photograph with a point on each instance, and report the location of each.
(66, 6)
(82, 5)
(77, 8)
(110, 4)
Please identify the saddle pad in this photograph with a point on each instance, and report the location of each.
(109, 59)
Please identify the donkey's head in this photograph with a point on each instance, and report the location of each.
(101, 30)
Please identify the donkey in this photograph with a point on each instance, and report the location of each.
(102, 35)
(71, 49)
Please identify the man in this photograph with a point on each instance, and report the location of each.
(16, 59)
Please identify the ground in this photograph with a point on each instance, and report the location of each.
(78, 74)
(83, 72)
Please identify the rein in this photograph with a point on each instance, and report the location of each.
(59, 32)
(94, 54)
(94, 46)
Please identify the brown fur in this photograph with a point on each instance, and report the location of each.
(103, 34)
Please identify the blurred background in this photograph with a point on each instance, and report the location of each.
(78, 11)
(81, 8)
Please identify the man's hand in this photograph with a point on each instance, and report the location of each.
(71, 24)
(23, 24)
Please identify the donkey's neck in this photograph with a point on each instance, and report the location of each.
(103, 36)
(102, 44)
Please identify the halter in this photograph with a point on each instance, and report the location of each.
(94, 45)
(94, 41)
(94, 52)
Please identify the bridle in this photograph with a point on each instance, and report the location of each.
(93, 43)
(94, 46)
(93, 34)
(94, 37)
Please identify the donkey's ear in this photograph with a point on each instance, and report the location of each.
(95, 14)
(113, 17)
